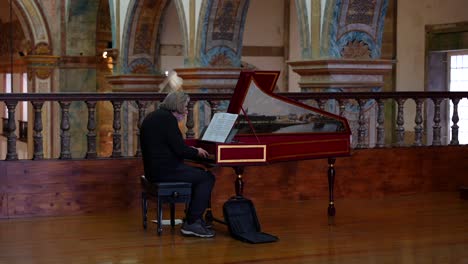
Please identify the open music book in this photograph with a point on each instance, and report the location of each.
(220, 127)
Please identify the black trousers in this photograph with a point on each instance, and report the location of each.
(202, 184)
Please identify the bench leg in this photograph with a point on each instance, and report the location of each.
(172, 214)
(144, 209)
(159, 217)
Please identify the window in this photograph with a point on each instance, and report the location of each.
(7, 89)
(458, 82)
(24, 89)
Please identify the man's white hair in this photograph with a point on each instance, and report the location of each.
(175, 102)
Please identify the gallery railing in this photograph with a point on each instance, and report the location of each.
(382, 102)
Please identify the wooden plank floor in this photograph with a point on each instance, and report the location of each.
(422, 228)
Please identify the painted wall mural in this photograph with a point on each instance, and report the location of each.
(141, 43)
(32, 14)
(81, 27)
(222, 31)
(356, 21)
(356, 33)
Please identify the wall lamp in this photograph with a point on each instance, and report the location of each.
(110, 53)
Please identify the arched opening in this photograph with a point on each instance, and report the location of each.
(15, 44)
(141, 41)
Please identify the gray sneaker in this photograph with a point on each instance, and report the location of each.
(196, 229)
(207, 225)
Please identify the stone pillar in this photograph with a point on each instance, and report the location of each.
(320, 75)
(209, 79)
(347, 75)
(135, 82)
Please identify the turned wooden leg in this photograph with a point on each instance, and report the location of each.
(239, 183)
(331, 183)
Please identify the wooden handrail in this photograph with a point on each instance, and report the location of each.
(222, 96)
(361, 101)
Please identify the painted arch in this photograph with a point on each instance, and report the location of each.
(353, 28)
(34, 26)
(140, 40)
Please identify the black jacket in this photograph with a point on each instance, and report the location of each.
(162, 145)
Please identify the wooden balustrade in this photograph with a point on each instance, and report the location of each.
(142, 100)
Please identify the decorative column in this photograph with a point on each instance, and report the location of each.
(212, 50)
(320, 75)
(347, 75)
(212, 80)
(41, 66)
(40, 69)
(211, 33)
(341, 43)
(135, 82)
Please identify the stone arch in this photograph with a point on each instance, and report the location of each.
(35, 44)
(222, 27)
(184, 25)
(347, 22)
(140, 40)
(34, 26)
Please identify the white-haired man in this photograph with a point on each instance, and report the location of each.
(164, 150)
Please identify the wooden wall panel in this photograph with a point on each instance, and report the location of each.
(57, 187)
(3, 205)
(3, 195)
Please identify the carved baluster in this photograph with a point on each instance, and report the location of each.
(116, 138)
(400, 130)
(380, 123)
(455, 119)
(11, 136)
(436, 127)
(141, 116)
(190, 123)
(314, 102)
(418, 120)
(65, 131)
(322, 103)
(37, 134)
(91, 136)
(362, 125)
(342, 106)
(214, 107)
(309, 102)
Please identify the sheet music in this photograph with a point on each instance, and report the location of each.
(219, 127)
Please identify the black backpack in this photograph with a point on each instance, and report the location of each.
(241, 219)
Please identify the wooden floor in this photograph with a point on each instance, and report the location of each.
(423, 228)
